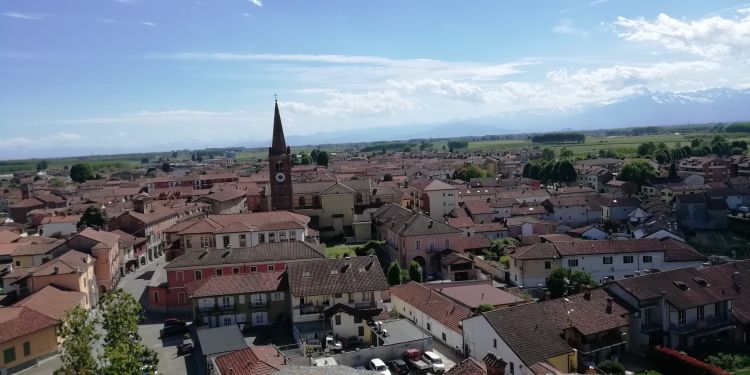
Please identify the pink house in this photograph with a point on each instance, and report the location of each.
(104, 247)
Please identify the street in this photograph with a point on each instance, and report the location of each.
(169, 363)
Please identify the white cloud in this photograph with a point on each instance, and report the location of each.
(146, 23)
(567, 26)
(714, 38)
(349, 104)
(64, 137)
(258, 3)
(444, 87)
(25, 16)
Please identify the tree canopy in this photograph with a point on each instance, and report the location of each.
(564, 282)
(469, 172)
(415, 271)
(561, 171)
(559, 137)
(548, 154)
(394, 274)
(638, 172)
(81, 172)
(93, 217)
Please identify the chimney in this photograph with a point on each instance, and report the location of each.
(495, 365)
(432, 222)
(57, 270)
(609, 305)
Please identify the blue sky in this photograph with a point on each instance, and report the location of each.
(93, 76)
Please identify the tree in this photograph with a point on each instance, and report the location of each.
(662, 156)
(79, 336)
(174, 154)
(41, 165)
(471, 171)
(81, 172)
(56, 182)
(387, 177)
(485, 307)
(314, 155)
(394, 274)
(415, 271)
(144, 160)
(124, 353)
(564, 282)
(548, 154)
(610, 226)
(646, 148)
(565, 153)
(638, 172)
(322, 158)
(566, 172)
(673, 171)
(166, 167)
(455, 145)
(305, 159)
(559, 137)
(610, 367)
(93, 217)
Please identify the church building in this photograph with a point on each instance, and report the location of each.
(280, 167)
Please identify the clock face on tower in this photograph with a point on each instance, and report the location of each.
(280, 177)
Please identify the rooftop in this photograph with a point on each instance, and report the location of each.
(340, 275)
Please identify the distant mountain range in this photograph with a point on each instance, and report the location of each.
(643, 109)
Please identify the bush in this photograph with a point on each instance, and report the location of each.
(673, 362)
(611, 367)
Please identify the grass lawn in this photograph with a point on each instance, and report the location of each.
(717, 242)
(338, 251)
(742, 372)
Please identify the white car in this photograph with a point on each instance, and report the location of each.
(376, 364)
(437, 363)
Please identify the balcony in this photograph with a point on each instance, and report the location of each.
(216, 309)
(650, 327)
(257, 305)
(311, 309)
(709, 324)
(597, 344)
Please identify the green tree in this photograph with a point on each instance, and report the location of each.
(471, 171)
(79, 336)
(415, 271)
(610, 367)
(565, 153)
(144, 160)
(387, 177)
(124, 353)
(646, 148)
(394, 274)
(305, 159)
(322, 158)
(565, 282)
(673, 171)
(56, 182)
(81, 172)
(662, 156)
(93, 217)
(548, 154)
(485, 307)
(566, 172)
(41, 165)
(166, 167)
(638, 172)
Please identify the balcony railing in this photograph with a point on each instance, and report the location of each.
(258, 304)
(710, 323)
(650, 327)
(602, 343)
(311, 309)
(216, 309)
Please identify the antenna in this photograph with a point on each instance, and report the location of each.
(275, 97)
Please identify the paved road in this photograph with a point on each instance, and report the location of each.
(169, 363)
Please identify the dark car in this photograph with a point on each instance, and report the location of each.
(173, 327)
(398, 367)
(186, 347)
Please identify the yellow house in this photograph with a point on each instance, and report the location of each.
(25, 336)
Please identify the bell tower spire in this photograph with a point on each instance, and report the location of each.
(278, 144)
(280, 167)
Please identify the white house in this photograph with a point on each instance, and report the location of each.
(431, 311)
(434, 197)
(605, 260)
(64, 225)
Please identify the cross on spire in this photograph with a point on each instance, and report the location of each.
(275, 97)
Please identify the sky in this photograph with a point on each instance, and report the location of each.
(111, 76)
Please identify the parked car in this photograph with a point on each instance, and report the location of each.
(173, 327)
(186, 347)
(376, 364)
(413, 358)
(333, 345)
(398, 367)
(433, 359)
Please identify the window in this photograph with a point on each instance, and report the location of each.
(647, 315)
(338, 320)
(512, 368)
(720, 310)
(627, 259)
(253, 269)
(226, 241)
(260, 318)
(418, 244)
(494, 343)
(432, 244)
(337, 295)
(156, 297)
(187, 242)
(444, 337)
(606, 260)
(236, 270)
(572, 262)
(270, 268)
(272, 237)
(360, 331)
(429, 327)
(261, 237)
(243, 240)
(9, 355)
(180, 276)
(547, 265)
(198, 275)
(447, 242)
(647, 259)
(219, 272)
(226, 302)
(292, 235)
(277, 296)
(26, 349)
(681, 317)
(701, 313)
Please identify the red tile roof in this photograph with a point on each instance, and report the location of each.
(475, 295)
(236, 284)
(435, 305)
(468, 366)
(340, 275)
(18, 322)
(52, 301)
(255, 360)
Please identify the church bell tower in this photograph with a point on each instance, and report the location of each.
(280, 167)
